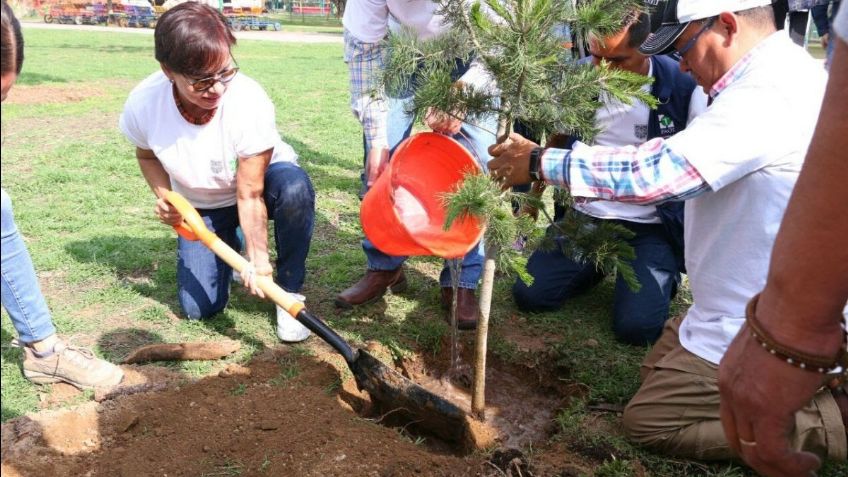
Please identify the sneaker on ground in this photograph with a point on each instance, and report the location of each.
(289, 330)
(70, 364)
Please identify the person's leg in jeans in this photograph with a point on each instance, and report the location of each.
(21, 293)
(556, 279)
(798, 25)
(399, 128)
(290, 199)
(47, 359)
(382, 271)
(203, 279)
(781, 10)
(476, 138)
(639, 317)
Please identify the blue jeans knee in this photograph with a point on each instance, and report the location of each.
(290, 199)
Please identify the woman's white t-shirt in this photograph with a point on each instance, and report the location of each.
(202, 160)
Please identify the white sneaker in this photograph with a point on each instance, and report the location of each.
(289, 330)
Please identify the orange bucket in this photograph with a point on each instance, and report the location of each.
(403, 214)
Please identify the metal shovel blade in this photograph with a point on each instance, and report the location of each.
(406, 401)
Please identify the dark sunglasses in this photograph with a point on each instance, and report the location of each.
(203, 85)
(689, 44)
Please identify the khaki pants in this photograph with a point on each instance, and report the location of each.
(676, 410)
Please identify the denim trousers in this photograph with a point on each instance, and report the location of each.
(476, 139)
(638, 317)
(21, 293)
(203, 279)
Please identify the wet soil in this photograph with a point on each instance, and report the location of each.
(284, 413)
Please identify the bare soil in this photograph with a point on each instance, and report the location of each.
(283, 414)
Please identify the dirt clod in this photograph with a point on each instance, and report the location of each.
(129, 423)
(183, 351)
(234, 370)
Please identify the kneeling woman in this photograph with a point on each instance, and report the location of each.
(208, 132)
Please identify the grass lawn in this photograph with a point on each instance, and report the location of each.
(107, 267)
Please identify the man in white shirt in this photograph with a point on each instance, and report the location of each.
(801, 310)
(385, 124)
(737, 164)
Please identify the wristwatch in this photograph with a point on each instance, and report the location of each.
(536, 163)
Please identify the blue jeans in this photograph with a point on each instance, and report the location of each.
(21, 294)
(638, 318)
(477, 141)
(203, 279)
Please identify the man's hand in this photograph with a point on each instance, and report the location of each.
(824, 40)
(375, 163)
(760, 394)
(511, 163)
(167, 213)
(441, 122)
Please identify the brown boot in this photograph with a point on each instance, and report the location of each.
(371, 287)
(467, 307)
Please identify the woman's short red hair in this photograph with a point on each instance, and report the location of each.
(193, 39)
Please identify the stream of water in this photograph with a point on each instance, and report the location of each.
(455, 266)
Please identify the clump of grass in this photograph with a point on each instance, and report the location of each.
(288, 371)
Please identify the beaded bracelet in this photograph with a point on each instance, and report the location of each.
(796, 358)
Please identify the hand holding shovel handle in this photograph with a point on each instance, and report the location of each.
(193, 228)
(385, 386)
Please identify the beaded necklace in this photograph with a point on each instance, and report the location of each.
(197, 121)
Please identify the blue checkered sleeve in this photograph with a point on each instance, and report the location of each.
(365, 65)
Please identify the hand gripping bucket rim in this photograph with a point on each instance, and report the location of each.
(403, 213)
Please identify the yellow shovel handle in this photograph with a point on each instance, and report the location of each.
(193, 226)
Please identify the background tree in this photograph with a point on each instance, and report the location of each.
(538, 83)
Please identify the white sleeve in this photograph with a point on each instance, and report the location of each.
(367, 20)
(740, 133)
(697, 104)
(258, 125)
(129, 125)
(479, 77)
(840, 23)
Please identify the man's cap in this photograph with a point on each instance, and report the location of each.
(670, 17)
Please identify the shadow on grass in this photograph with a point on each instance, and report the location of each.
(148, 267)
(10, 355)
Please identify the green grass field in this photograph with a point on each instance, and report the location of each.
(107, 267)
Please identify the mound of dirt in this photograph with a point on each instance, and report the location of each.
(265, 422)
(281, 414)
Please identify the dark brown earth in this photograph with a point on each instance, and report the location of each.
(283, 414)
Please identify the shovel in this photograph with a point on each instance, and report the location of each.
(387, 388)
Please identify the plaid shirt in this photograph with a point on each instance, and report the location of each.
(365, 64)
(647, 174)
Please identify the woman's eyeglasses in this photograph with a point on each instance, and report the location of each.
(203, 85)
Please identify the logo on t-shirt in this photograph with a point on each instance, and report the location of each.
(666, 125)
(640, 131)
(216, 166)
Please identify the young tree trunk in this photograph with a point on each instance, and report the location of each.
(478, 396)
(487, 283)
